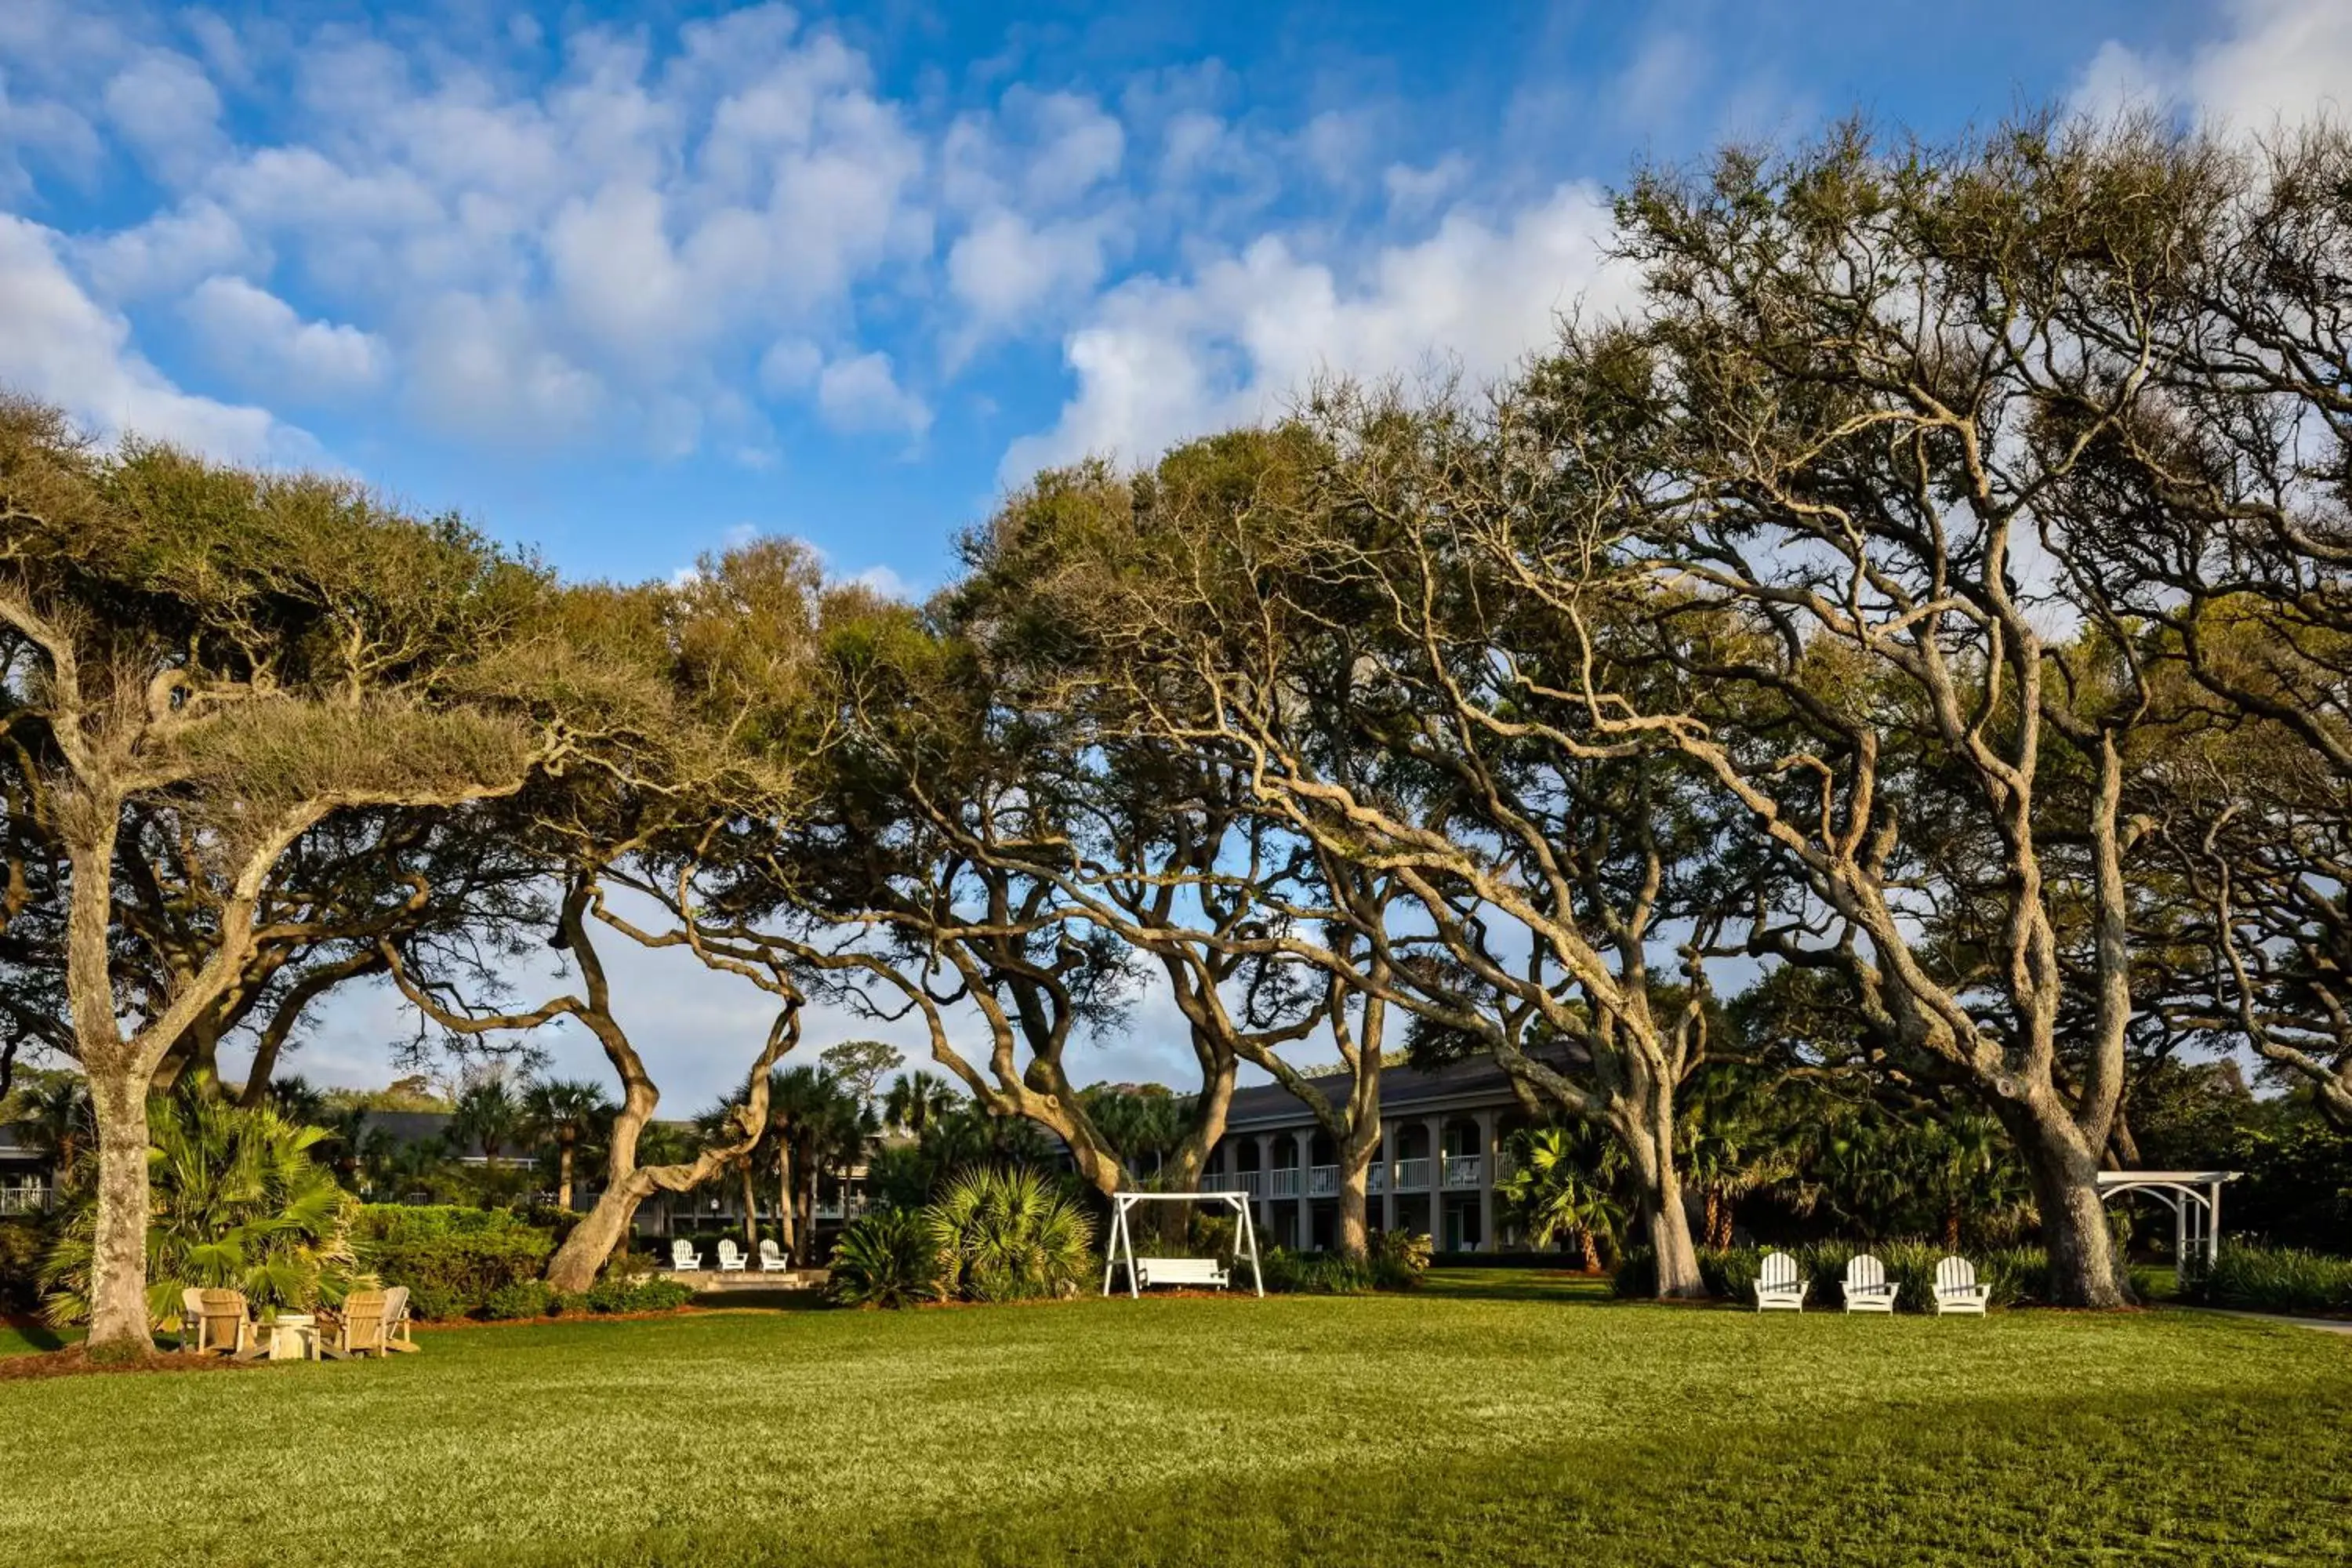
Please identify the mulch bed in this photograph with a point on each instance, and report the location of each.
(74, 1362)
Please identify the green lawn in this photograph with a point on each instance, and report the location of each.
(1492, 1419)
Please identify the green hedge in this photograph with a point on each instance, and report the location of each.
(454, 1260)
(2272, 1279)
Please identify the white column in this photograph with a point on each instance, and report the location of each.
(1387, 1178)
(1487, 1154)
(1437, 1182)
(1304, 1143)
(1264, 1188)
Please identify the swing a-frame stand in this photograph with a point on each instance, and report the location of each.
(1203, 1272)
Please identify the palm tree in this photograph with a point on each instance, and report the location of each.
(815, 1123)
(61, 1120)
(563, 1112)
(235, 1199)
(915, 1101)
(1559, 1188)
(486, 1118)
(710, 1126)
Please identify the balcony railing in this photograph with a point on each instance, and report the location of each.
(24, 1200)
(1461, 1170)
(1248, 1182)
(1413, 1175)
(1322, 1180)
(1376, 1180)
(1285, 1182)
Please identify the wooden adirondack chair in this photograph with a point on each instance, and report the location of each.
(1957, 1289)
(683, 1259)
(217, 1322)
(359, 1327)
(1866, 1289)
(772, 1256)
(396, 1335)
(1779, 1284)
(730, 1258)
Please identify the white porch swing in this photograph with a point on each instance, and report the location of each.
(1142, 1272)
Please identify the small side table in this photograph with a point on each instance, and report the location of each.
(293, 1336)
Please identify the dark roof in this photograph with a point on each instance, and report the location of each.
(412, 1126)
(1475, 1081)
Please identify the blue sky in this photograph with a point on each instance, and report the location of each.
(622, 282)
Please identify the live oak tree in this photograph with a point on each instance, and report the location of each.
(245, 656)
(2224, 528)
(1301, 598)
(725, 661)
(1840, 445)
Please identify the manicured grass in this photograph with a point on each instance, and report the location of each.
(1495, 1418)
(20, 1338)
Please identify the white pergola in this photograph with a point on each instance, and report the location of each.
(1122, 1236)
(2194, 1197)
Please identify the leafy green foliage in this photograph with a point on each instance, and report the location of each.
(521, 1298)
(1561, 1186)
(888, 1258)
(1288, 1273)
(234, 1201)
(1400, 1259)
(21, 1247)
(2272, 1279)
(453, 1260)
(1011, 1234)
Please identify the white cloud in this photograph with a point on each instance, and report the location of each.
(1416, 190)
(169, 252)
(1159, 360)
(261, 339)
(1005, 267)
(863, 395)
(164, 106)
(2275, 61)
(478, 368)
(58, 344)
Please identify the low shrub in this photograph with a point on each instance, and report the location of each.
(434, 1304)
(20, 1265)
(1011, 1234)
(888, 1258)
(659, 1296)
(452, 1259)
(1400, 1259)
(1288, 1273)
(1730, 1272)
(2272, 1279)
(522, 1299)
(1635, 1278)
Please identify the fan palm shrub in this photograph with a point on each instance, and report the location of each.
(1009, 1234)
(1559, 1188)
(235, 1201)
(888, 1258)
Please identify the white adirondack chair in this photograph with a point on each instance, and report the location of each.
(730, 1257)
(772, 1256)
(1866, 1289)
(1957, 1289)
(683, 1259)
(1779, 1285)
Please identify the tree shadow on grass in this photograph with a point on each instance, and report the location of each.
(19, 1336)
